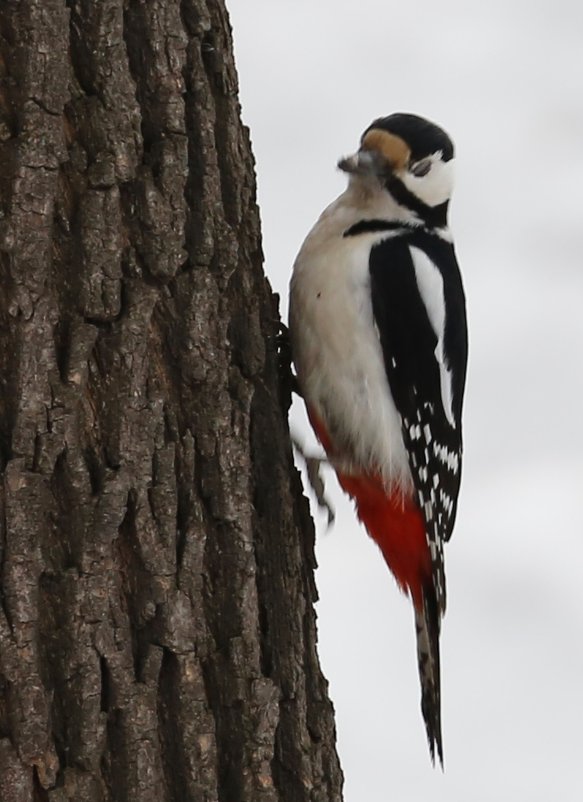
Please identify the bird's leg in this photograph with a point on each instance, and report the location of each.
(313, 465)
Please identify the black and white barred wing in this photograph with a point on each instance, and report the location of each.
(419, 309)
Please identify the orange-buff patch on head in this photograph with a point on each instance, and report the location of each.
(391, 147)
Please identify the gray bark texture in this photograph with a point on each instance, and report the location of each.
(157, 630)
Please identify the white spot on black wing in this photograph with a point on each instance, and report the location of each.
(434, 461)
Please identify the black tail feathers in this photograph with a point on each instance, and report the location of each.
(427, 624)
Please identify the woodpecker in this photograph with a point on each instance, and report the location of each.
(379, 342)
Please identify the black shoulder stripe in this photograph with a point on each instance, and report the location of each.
(370, 226)
(407, 337)
(395, 251)
(374, 225)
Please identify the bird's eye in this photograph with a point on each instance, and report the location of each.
(421, 168)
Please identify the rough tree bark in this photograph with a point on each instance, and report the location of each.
(157, 632)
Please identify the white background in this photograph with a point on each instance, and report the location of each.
(505, 79)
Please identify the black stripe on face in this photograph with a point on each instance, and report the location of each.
(433, 216)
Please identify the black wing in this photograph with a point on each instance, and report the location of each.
(417, 358)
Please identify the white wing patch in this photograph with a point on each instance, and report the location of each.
(430, 284)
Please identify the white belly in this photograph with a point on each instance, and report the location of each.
(337, 352)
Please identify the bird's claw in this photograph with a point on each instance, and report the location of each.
(313, 465)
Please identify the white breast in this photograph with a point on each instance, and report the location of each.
(337, 351)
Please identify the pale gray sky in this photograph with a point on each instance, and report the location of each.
(505, 79)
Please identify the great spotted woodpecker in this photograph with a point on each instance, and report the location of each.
(379, 341)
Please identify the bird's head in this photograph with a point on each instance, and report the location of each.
(409, 157)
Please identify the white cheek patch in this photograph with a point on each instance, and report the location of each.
(434, 188)
(430, 284)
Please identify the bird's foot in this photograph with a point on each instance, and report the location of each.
(313, 466)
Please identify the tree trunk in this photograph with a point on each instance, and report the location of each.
(157, 631)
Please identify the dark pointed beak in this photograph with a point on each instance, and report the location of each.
(363, 162)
